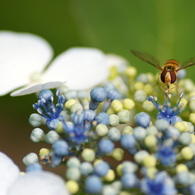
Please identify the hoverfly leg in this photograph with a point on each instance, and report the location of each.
(175, 87)
(165, 88)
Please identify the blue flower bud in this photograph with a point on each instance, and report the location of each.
(86, 168)
(35, 119)
(56, 160)
(93, 185)
(89, 115)
(71, 95)
(77, 119)
(34, 167)
(45, 94)
(142, 78)
(142, 119)
(73, 173)
(128, 141)
(98, 94)
(60, 148)
(52, 124)
(51, 137)
(30, 158)
(129, 180)
(93, 105)
(37, 135)
(103, 118)
(166, 155)
(183, 178)
(128, 167)
(173, 133)
(185, 138)
(105, 146)
(114, 134)
(101, 169)
(162, 124)
(108, 86)
(181, 74)
(81, 94)
(192, 189)
(73, 162)
(139, 133)
(113, 94)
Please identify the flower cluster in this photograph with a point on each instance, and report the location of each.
(106, 152)
(115, 139)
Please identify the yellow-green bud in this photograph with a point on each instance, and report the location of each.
(148, 89)
(128, 104)
(149, 161)
(117, 106)
(181, 168)
(76, 107)
(150, 141)
(110, 176)
(184, 101)
(147, 105)
(125, 193)
(72, 186)
(140, 156)
(183, 126)
(110, 111)
(138, 85)
(192, 117)
(127, 130)
(187, 153)
(44, 152)
(119, 169)
(88, 155)
(118, 154)
(140, 96)
(97, 161)
(124, 116)
(113, 72)
(193, 138)
(150, 77)
(114, 120)
(101, 130)
(151, 172)
(59, 128)
(69, 103)
(131, 71)
(192, 105)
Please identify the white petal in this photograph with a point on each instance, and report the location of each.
(36, 88)
(81, 68)
(116, 60)
(9, 172)
(21, 54)
(38, 183)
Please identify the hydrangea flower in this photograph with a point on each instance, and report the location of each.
(34, 182)
(9, 172)
(47, 109)
(108, 140)
(168, 113)
(160, 185)
(30, 54)
(166, 155)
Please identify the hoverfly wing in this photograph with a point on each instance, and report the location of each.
(187, 63)
(147, 58)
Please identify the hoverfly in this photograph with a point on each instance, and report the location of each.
(168, 71)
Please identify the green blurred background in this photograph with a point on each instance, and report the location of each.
(163, 28)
